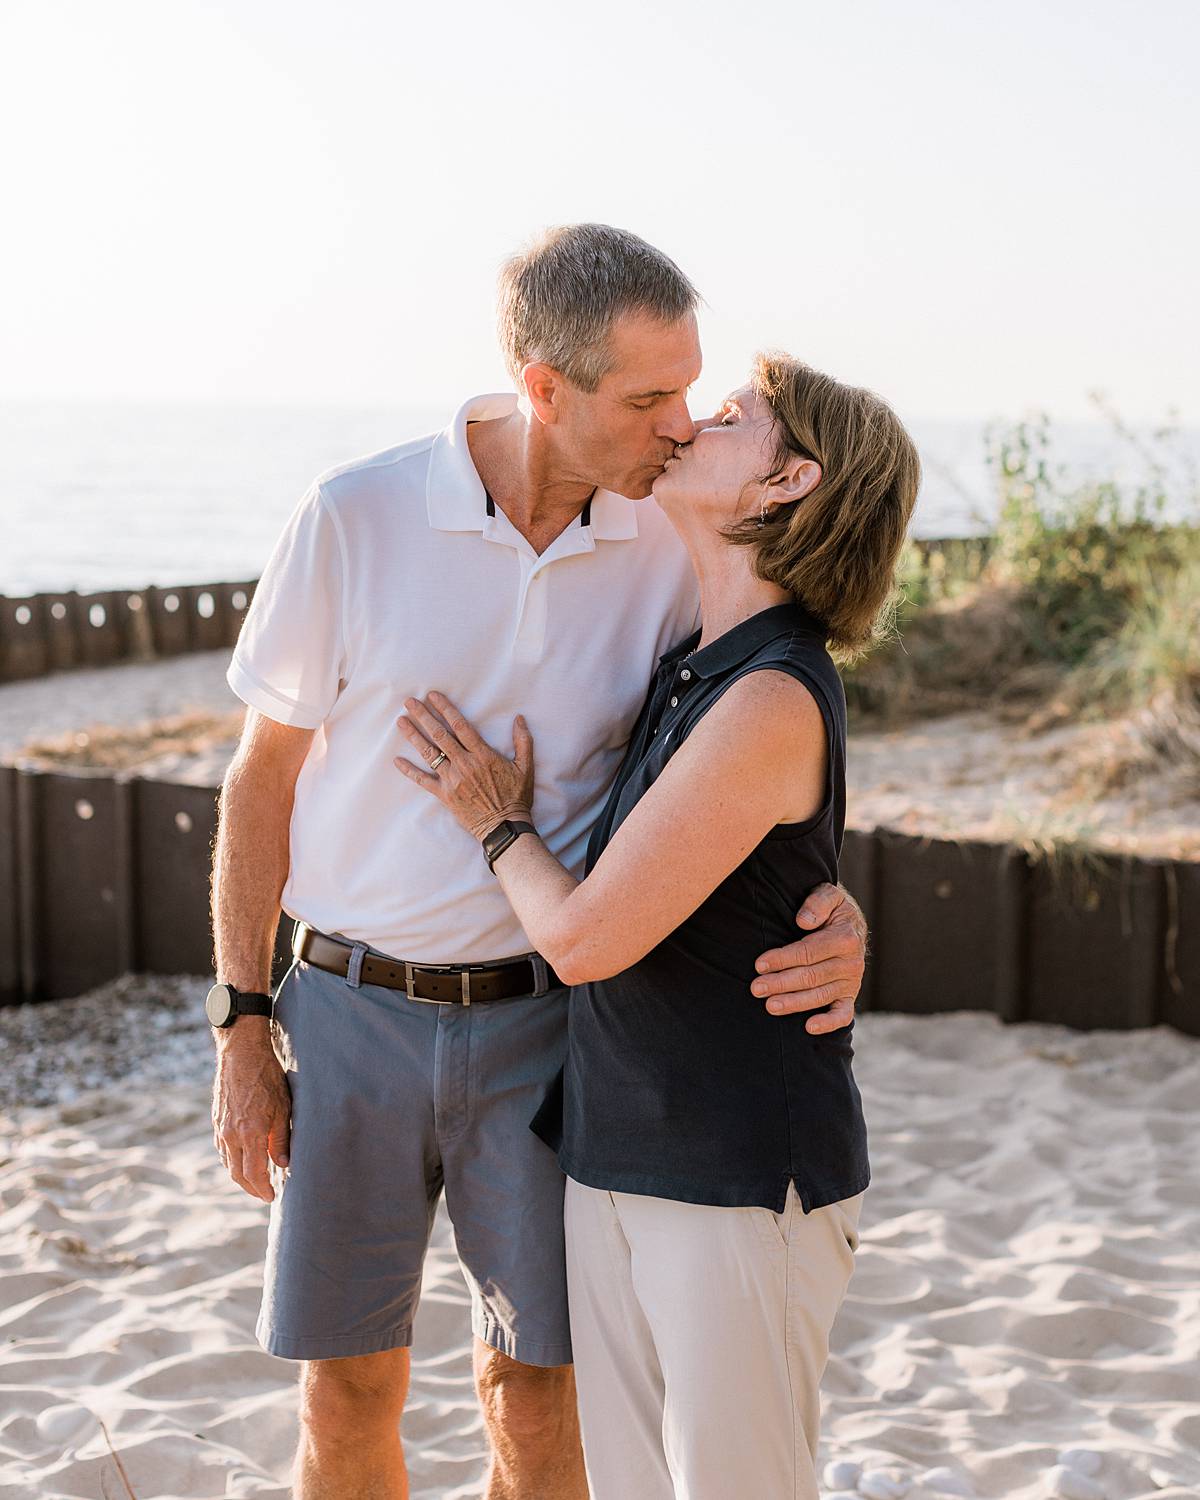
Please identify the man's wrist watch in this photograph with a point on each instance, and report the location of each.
(225, 1003)
(504, 834)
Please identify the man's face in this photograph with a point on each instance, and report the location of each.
(619, 436)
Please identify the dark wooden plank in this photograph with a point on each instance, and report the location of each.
(858, 869)
(941, 947)
(24, 638)
(175, 829)
(102, 637)
(75, 884)
(170, 620)
(1095, 940)
(1179, 1002)
(11, 986)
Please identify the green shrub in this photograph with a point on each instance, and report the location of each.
(1084, 557)
(1085, 586)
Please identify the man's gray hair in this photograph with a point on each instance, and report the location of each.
(560, 297)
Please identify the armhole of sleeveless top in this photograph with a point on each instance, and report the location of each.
(833, 751)
(832, 740)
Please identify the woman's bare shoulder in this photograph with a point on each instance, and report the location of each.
(775, 704)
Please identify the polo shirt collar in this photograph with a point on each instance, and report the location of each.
(740, 643)
(457, 501)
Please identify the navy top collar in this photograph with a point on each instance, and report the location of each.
(742, 641)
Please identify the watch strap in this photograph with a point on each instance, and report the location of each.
(253, 1004)
(501, 837)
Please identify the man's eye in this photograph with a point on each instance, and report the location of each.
(642, 405)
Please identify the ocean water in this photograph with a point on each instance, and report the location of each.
(98, 496)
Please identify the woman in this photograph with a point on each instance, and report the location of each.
(716, 1155)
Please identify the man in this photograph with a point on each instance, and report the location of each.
(507, 563)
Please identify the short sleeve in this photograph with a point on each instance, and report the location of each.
(290, 657)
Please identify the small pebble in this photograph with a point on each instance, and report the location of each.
(1082, 1460)
(1070, 1484)
(883, 1484)
(947, 1481)
(842, 1474)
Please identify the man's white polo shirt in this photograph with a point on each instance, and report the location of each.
(391, 578)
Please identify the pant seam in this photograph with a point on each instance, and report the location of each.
(787, 1351)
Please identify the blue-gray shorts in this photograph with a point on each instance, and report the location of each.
(393, 1100)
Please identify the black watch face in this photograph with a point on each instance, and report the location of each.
(219, 1006)
(498, 837)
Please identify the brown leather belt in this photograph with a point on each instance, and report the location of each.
(440, 984)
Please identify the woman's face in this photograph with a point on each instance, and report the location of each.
(720, 472)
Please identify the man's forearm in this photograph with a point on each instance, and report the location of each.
(250, 868)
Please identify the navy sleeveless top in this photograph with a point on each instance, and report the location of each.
(678, 1083)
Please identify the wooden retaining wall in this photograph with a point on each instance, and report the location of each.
(101, 874)
(44, 633)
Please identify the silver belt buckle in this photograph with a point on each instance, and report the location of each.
(435, 969)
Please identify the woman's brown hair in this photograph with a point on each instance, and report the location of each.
(836, 549)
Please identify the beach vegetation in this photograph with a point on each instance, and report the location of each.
(1085, 602)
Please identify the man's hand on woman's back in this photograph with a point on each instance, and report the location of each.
(824, 968)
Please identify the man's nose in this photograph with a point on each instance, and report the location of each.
(678, 425)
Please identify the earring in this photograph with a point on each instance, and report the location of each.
(762, 514)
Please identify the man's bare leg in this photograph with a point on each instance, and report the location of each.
(533, 1426)
(350, 1428)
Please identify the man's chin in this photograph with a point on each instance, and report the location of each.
(639, 486)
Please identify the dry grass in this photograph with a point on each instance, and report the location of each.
(124, 747)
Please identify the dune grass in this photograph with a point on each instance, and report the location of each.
(1086, 602)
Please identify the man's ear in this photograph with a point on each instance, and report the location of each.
(798, 477)
(542, 385)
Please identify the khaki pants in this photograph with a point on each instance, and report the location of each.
(700, 1338)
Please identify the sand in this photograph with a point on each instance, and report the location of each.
(1028, 1278)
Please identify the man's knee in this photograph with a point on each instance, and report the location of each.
(341, 1399)
(527, 1403)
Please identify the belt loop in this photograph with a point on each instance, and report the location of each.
(354, 969)
(541, 974)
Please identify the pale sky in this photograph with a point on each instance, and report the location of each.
(975, 208)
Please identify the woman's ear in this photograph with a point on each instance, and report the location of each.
(798, 478)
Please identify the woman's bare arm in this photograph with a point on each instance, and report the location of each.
(757, 758)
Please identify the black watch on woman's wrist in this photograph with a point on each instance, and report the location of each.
(504, 834)
(225, 1003)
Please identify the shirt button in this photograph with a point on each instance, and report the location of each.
(674, 702)
(686, 675)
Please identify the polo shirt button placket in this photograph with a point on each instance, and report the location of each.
(531, 623)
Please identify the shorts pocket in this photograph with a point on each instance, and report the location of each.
(280, 1009)
(279, 988)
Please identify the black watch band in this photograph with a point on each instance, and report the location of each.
(225, 1003)
(501, 837)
